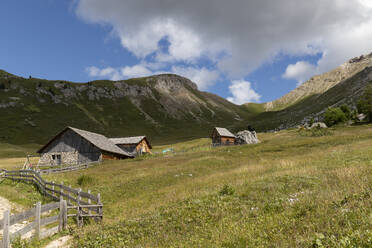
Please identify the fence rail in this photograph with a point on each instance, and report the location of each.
(61, 169)
(35, 213)
(83, 203)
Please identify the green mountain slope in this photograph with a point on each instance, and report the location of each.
(166, 108)
(321, 83)
(347, 92)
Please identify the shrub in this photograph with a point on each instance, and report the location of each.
(347, 111)
(334, 116)
(226, 190)
(365, 103)
(314, 132)
(84, 180)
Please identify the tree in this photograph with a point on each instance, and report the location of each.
(346, 110)
(365, 103)
(334, 116)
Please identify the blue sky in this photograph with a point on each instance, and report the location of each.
(243, 56)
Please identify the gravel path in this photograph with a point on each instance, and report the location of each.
(62, 242)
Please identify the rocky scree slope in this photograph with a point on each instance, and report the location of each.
(167, 108)
(321, 83)
(348, 92)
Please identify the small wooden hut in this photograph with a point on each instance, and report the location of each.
(222, 137)
(137, 145)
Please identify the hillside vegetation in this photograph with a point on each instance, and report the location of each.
(319, 84)
(166, 108)
(291, 190)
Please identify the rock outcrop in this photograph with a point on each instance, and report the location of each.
(246, 137)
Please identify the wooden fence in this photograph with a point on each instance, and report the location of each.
(83, 204)
(61, 169)
(36, 214)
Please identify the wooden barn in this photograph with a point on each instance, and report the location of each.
(134, 145)
(75, 146)
(222, 137)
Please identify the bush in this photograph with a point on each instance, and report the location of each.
(314, 132)
(85, 180)
(365, 103)
(226, 190)
(347, 111)
(334, 116)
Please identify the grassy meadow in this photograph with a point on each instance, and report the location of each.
(294, 189)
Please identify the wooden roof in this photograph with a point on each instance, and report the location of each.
(129, 140)
(224, 132)
(98, 140)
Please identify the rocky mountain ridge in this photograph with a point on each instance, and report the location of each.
(321, 83)
(156, 102)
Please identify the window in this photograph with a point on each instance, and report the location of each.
(56, 158)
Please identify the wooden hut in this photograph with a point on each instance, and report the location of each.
(222, 137)
(134, 145)
(76, 146)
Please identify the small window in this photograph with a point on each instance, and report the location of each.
(54, 157)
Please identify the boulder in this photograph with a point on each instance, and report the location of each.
(246, 137)
(318, 124)
(361, 117)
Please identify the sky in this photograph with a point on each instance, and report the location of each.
(242, 50)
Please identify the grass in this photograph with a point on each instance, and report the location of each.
(288, 191)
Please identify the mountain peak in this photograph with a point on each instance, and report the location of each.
(173, 80)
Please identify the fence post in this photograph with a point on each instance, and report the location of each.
(68, 196)
(100, 213)
(89, 203)
(53, 193)
(6, 240)
(37, 220)
(64, 215)
(60, 224)
(61, 191)
(78, 218)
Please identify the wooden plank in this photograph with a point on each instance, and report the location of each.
(49, 232)
(49, 206)
(71, 190)
(23, 231)
(49, 220)
(89, 196)
(22, 216)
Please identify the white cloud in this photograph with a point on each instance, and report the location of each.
(201, 76)
(139, 70)
(249, 33)
(301, 71)
(108, 72)
(242, 92)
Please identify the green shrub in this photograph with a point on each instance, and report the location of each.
(226, 190)
(347, 111)
(85, 180)
(334, 116)
(365, 103)
(314, 132)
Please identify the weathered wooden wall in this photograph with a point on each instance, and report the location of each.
(72, 148)
(143, 147)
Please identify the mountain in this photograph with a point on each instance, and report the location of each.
(344, 85)
(166, 108)
(321, 83)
